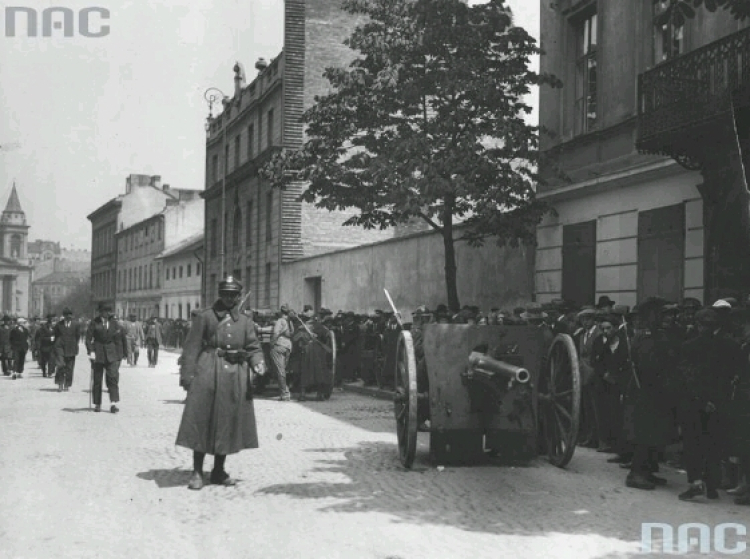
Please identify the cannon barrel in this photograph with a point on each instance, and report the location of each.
(484, 364)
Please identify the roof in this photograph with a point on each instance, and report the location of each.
(152, 217)
(190, 244)
(14, 204)
(113, 203)
(63, 277)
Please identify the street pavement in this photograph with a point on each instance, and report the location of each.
(325, 483)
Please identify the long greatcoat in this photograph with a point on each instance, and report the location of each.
(314, 368)
(647, 418)
(218, 417)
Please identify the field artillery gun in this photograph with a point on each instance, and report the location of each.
(508, 390)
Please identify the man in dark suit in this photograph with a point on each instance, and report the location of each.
(106, 346)
(67, 334)
(44, 341)
(19, 343)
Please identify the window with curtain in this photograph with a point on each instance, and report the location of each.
(586, 74)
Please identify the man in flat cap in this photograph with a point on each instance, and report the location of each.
(67, 334)
(584, 340)
(710, 363)
(19, 343)
(106, 346)
(281, 348)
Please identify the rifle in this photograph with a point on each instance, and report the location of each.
(312, 336)
(395, 310)
(630, 354)
(243, 301)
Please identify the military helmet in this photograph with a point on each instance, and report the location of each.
(230, 285)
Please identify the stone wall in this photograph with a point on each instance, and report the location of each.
(411, 268)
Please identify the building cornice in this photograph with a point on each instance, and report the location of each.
(113, 204)
(140, 223)
(629, 177)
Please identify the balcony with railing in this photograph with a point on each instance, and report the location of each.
(680, 101)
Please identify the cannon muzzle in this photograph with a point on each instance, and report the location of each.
(484, 365)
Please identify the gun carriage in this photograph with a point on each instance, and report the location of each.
(508, 390)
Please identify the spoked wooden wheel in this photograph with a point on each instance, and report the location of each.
(405, 400)
(560, 400)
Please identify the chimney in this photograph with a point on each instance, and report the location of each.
(261, 65)
(165, 187)
(156, 181)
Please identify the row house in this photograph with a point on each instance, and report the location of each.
(251, 229)
(183, 278)
(644, 130)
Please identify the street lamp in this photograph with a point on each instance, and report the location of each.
(212, 95)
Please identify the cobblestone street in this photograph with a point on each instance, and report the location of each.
(325, 483)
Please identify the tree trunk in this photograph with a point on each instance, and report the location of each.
(450, 258)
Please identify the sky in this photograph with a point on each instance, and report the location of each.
(80, 114)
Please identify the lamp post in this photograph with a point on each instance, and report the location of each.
(212, 96)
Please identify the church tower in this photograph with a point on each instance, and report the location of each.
(13, 230)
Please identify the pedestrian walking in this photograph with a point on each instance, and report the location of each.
(67, 334)
(281, 348)
(19, 343)
(106, 346)
(44, 341)
(6, 353)
(154, 339)
(221, 353)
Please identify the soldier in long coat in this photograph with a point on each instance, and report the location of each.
(219, 354)
(647, 419)
(315, 372)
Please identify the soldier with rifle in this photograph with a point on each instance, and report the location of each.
(220, 356)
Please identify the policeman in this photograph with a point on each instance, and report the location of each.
(220, 354)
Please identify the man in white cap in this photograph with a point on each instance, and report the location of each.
(584, 339)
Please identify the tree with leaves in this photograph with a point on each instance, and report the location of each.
(78, 300)
(678, 11)
(428, 123)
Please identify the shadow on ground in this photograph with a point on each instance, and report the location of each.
(77, 410)
(48, 390)
(173, 401)
(514, 501)
(165, 479)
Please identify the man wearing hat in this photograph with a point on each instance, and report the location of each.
(605, 304)
(219, 357)
(134, 337)
(584, 340)
(106, 347)
(44, 341)
(647, 421)
(6, 353)
(281, 348)
(19, 343)
(154, 339)
(67, 334)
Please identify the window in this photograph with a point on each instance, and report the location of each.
(158, 275)
(236, 227)
(158, 231)
(179, 311)
(586, 99)
(189, 269)
(214, 237)
(269, 214)
(249, 225)
(174, 272)
(150, 276)
(188, 310)
(180, 272)
(215, 168)
(250, 139)
(226, 160)
(268, 285)
(166, 311)
(260, 132)
(579, 263)
(237, 143)
(668, 38)
(198, 269)
(269, 129)
(167, 273)
(661, 252)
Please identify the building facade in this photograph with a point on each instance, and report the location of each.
(104, 223)
(183, 278)
(15, 271)
(138, 275)
(633, 215)
(50, 291)
(250, 228)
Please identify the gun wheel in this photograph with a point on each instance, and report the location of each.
(405, 400)
(560, 400)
